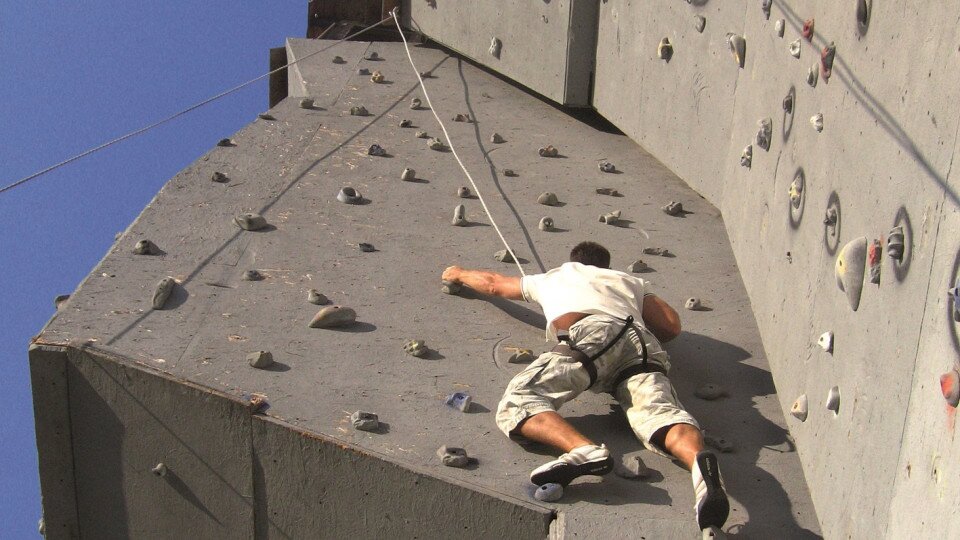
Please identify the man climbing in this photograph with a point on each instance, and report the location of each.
(609, 330)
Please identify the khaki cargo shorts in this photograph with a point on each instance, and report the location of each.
(648, 399)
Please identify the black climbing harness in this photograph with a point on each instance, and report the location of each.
(568, 348)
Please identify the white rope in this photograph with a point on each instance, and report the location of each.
(450, 143)
(178, 114)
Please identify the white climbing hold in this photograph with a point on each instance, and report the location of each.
(260, 359)
(817, 122)
(162, 292)
(460, 401)
(415, 103)
(365, 421)
(606, 166)
(638, 266)
(408, 175)
(849, 270)
(463, 192)
(672, 208)
(159, 470)
(610, 218)
(796, 192)
(631, 467)
(496, 138)
(377, 77)
(895, 244)
(519, 355)
(146, 247)
(422, 135)
(826, 341)
(699, 23)
(250, 221)
(779, 27)
(358, 110)
(503, 256)
(316, 297)
(405, 123)
(548, 198)
(833, 400)
(349, 195)
(451, 456)
(546, 224)
(693, 304)
(738, 48)
(435, 144)
(450, 287)
(333, 316)
(459, 216)
(548, 493)
(799, 408)
(549, 151)
(764, 133)
(795, 47)
(746, 157)
(812, 75)
(415, 347)
(495, 46)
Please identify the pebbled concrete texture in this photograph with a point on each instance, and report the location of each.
(290, 171)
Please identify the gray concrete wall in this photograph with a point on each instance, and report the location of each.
(883, 465)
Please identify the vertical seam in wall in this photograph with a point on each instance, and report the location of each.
(73, 455)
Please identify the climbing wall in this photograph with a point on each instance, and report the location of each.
(854, 151)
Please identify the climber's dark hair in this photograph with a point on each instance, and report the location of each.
(590, 253)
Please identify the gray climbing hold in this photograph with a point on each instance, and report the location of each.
(509, 172)
(316, 297)
(349, 195)
(546, 224)
(251, 275)
(950, 387)
(366, 248)
(373, 56)
(850, 268)
(377, 77)
(631, 467)
(450, 287)
(226, 142)
(765, 7)
(42, 527)
(796, 192)
(405, 123)
(333, 316)
(435, 144)
(359, 110)
(665, 50)
(415, 103)
(365, 421)
(459, 216)
(610, 218)
(709, 391)
(548, 198)
(699, 23)
(339, 60)
(495, 45)
(415, 347)
(463, 192)
(712, 533)
(408, 175)
(260, 359)
(746, 157)
(606, 166)
(452, 456)
(461, 118)
(460, 401)
(954, 293)
(376, 150)
(504, 256)
(422, 135)
(826, 61)
(219, 177)
(519, 355)
(662, 252)
(779, 27)
(830, 217)
(833, 400)
(693, 304)
(162, 292)
(146, 247)
(60, 300)
(788, 103)
(266, 116)
(159, 470)
(895, 244)
(672, 208)
(863, 16)
(306, 103)
(496, 138)
(795, 47)
(549, 151)
(250, 221)
(817, 122)
(825, 341)
(608, 191)
(764, 133)
(812, 75)
(638, 266)
(363, 71)
(426, 74)
(738, 48)
(799, 408)
(718, 443)
(548, 493)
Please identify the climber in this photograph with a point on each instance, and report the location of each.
(609, 330)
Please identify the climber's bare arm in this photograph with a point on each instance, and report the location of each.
(660, 318)
(486, 282)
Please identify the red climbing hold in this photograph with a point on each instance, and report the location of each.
(808, 29)
(874, 257)
(950, 386)
(826, 61)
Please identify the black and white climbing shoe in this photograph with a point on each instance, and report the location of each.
(589, 459)
(712, 505)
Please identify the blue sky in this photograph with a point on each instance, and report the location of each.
(75, 74)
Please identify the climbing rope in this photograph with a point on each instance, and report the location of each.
(450, 144)
(178, 114)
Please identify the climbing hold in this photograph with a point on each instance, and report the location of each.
(895, 244)
(306, 103)
(548, 493)
(672, 208)
(422, 135)
(549, 151)
(219, 177)
(718, 443)
(460, 401)
(693, 304)
(60, 300)
(664, 50)
(339, 60)
(504, 256)
(606, 166)
(163, 291)
(426, 74)
(699, 23)
(863, 16)
(450, 287)
(779, 27)
(435, 144)
(765, 7)
(377, 77)
(788, 103)
(712, 533)
(363, 71)
(316, 297)
(459, 216)
(808, 29)
(799, 408)
(405, 123)
(796, 192)
(764, 133)
(738, 47)
(452, 456)
(833, 400)
(496, 138)
(874, 258)
(366, 248)
(415, 103)
(817, 122)
(831, 217)
(358, 110)
(460, 117)
(548, 198)
(349, 195)
(520, 355)
(250, 221)
(826, 61)
(373, 56)
(663, 252)
(826, 341)
(463, 192)
(795, 47)
(610, 218)
(638, 266)
(226, 142)
(415, 347)
(159, 470)
(710, 392)
(376, 150)
(812, 74)
(608, 191)
(365, 421)
(251, 275)
(146, 247)
(266, 116)
(849, 269)
(546, 224)
(333, 316)
(631, 467)
(950, 387)
(509, 172)
(260, 359)
(746, 157)
(408, 175)
(495, 46)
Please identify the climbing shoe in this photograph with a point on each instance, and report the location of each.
(588, 459)
(712, 505)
